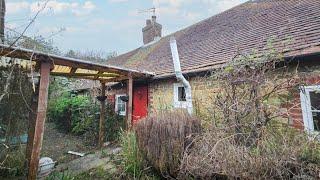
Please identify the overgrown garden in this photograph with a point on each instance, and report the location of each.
(72, 114)
(247, 133)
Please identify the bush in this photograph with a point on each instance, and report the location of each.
(131, 159)
(80, 116)
(163, 137)
(60, 176)
(114, 123)
(12, 162)
(280, 154)
(72, 113)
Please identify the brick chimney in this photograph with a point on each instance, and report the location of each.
(152, 30)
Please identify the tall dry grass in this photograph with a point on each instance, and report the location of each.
(281, 153)
(163, 137)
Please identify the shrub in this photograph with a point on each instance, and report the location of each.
(80, 116)
(131, 159)
(114, 123)
(60, 176)
(12, 162)
(72, 113)
(163, 137)
(280, 154)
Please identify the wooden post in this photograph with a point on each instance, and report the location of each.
(32, 124)
(102, 124)
(40, 120)
(129, 104)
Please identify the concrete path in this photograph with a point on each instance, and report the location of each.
(90, 161)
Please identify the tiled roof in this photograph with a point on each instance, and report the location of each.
(292, 25)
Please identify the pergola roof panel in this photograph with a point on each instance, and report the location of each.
(61, 69)
(86, 71)
(70, 67)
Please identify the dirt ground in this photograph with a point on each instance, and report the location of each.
(57, 144)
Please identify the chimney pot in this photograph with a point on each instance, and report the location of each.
(154, 18)
(148, 22)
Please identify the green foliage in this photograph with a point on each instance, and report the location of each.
(13, 160)
(80, 116)
(114, 123)
(131, 158)
(60, 176)
(14, 107)
(14, 110)
(96, 173)
(311, 153)
(72, 113)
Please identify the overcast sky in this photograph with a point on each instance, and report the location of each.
(106, 25)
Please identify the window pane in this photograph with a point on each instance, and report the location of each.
(181, 94)
(121, 107)
(316, 120)
(315, 105)
(315, 100)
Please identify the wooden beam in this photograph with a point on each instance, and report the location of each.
(40, 120)
(101, 73)
(129, 103)
(84, 74)
(102, 124)
(73, 70)
(31, 125)
(21, 53)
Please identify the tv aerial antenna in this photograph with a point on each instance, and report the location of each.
(150, 10)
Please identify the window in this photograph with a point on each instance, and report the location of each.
(180, 100)
(120, 106)
(310, 105)
(181, 94)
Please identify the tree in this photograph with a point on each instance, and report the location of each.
(2, 16)
(94, 56)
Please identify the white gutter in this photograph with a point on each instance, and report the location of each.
(179, 75)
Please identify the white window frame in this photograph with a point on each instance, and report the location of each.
(121, 113)
(176, 102)
(306, 108)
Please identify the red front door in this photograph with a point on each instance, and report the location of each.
(140, 103)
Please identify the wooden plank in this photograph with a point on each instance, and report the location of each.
(84, 74)
(100, 73)
(102, 124)
(73, 70)
(40, 120)
(21, 53)
(129, 103)
(31, 126)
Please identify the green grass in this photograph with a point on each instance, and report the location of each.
(132, 162)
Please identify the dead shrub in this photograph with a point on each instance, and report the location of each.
(281, 153)
(163, 137)
(250, 137)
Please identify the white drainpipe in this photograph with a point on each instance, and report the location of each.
(180, 77)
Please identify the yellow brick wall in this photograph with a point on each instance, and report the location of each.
(203, 90)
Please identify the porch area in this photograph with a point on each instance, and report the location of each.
(41, 66)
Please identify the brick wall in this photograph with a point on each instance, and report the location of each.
(294, 110)
(160, 96)
(112, 92)
(203, 91)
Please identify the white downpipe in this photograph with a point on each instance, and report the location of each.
(180, 77)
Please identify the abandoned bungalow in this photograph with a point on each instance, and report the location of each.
(293, 26)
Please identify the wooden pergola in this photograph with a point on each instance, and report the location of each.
(48, 64)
